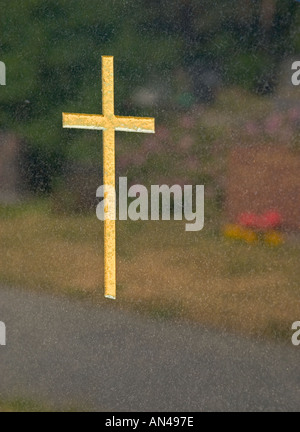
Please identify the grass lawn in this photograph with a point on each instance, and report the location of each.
(162, 270)
(21, 405)
(18, 406)
(24, 405)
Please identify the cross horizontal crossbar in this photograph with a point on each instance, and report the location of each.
(100, 122)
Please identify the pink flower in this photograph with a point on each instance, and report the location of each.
(187, 122)
(186, 143)
(162, 133)
(123, 162)
(252, 128)
(151, 145)
(126, 161)
(294, 114)
(139, 159)
(286, 133)
(192, 164)
(273, 123)
(173, 181)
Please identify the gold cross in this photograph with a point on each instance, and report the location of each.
(109, 123)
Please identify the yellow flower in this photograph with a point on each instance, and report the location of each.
(239, 233)
(274, 238)
(233, 231)
(250, 236)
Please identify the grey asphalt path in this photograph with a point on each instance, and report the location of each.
(67, 352)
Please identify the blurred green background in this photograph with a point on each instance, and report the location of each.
(52, 50)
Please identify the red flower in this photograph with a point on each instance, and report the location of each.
(270, 220)
(248, 220)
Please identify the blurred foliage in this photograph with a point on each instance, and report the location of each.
(52, 50)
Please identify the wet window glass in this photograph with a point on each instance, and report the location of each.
(149, 205)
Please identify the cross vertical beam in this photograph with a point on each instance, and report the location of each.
(109, 224)
(108, 95)
(108, 108)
